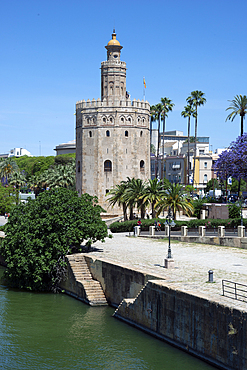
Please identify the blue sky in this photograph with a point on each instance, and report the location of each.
(51, 53)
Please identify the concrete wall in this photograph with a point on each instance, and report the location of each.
(206, 329)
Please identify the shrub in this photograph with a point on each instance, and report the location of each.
(234, 211)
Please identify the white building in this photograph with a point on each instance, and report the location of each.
(19, 152)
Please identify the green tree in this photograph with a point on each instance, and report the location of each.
(7, 167)
(238, 106)
(174, 196)
(17, 179)
(158, 114)
(41, 232)
(187, 113)
(152, 194)
(167, 106)
(116, 196)
(7, 199)
(133, 196)
(212, 184)
(195, 100)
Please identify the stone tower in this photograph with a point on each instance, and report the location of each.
(112, 133)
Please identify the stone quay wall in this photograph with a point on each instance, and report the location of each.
(211, 331)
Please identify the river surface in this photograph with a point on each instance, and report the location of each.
(54, 331)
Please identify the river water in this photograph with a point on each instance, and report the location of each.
(54, 331)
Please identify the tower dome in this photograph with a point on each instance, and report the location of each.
(114, 41)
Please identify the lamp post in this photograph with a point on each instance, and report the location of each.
(169, 261)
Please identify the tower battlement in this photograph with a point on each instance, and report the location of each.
(82, 104)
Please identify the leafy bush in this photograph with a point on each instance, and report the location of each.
(41, 232)
(234, 211)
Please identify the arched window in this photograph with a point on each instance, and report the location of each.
(142, 165)
(122, 119)
(104, 119)
(107, 166)
(206, 178)
(126, 133)
(111, 119)
(90, 133)
(141, 133)
(107, 133)
(88, 120)
(79, 166)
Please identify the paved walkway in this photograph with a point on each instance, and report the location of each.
(192, 263)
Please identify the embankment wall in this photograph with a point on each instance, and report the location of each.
(211, 331)
(118, 282)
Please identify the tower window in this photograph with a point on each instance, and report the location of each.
(111, 119)
(122, 119)
(142, 166)
(107, 191)
(205, 178)
(104, 119)
(141, 133)
(107, 133)
(107, 166)
(88, 120)
(129, 119)
(126, 133)
(143, 120)
(90, 133)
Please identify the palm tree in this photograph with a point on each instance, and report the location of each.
(133, 196)
(188, 112)
(238, 106)
(196, 99)
(152, 119)
(116, 197)
(158, 114)
(167, 106)
(18, 179)
(174, 196)
(7, 167)
(152, 194)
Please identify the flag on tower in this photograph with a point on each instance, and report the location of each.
(144, 82)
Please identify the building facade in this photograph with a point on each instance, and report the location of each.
(112, 133)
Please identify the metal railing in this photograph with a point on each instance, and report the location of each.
(235, 290)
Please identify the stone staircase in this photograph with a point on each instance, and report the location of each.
(94, 294)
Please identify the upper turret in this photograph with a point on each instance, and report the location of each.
(113, 72)
(113, 48)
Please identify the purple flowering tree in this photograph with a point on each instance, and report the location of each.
(233, 161)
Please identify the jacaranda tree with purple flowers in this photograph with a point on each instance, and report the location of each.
(233, 161)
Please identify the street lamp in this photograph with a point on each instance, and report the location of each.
(169, 262)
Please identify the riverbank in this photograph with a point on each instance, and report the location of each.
(178, 305)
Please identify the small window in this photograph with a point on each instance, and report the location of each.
(111, 120)
(142, 165)
(107, 166)
(107, 133)
(205, 164)
(129, 119)
(143, 120)
(90, 133)
(79, 166)
(141, 133)
(205, 178)
(126, 133)
(107, 191)
(88, 120)
(104, 119)
(122, 119)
